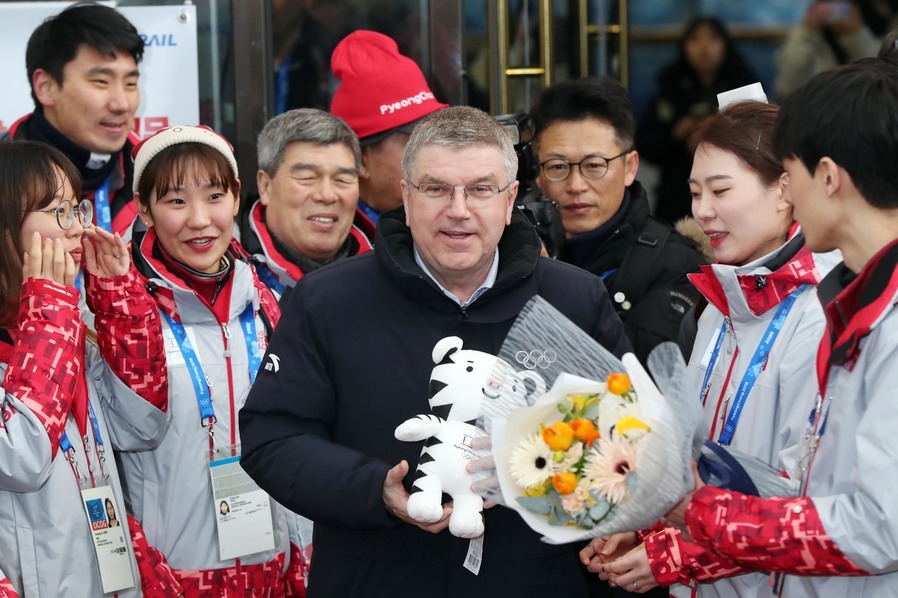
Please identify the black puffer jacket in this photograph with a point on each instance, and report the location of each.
(662, 295)
(354, 360)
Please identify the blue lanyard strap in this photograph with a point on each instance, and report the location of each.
(706, 383)
(253, 351)
(200, 382)
(756, 363)
(66, 445)
(268, 278)
(101, 205)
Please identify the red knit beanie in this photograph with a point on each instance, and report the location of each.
(380, 88)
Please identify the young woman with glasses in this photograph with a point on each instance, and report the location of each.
(69, 396)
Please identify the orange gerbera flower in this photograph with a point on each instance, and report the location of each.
(559, 436)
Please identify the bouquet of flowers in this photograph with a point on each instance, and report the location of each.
(604, 449)
(576, 469)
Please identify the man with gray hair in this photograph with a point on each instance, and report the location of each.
(308, 182)
(352, 356)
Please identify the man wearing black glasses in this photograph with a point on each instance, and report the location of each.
(351, 359)
(584, 142)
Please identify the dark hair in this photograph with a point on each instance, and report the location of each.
(744, 129)
(56, 41)
(733, 71)
(171, 168)
(28, 181)
(849, 114)
(602, 98)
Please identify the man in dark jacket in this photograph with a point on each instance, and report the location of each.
(584, 139)
(351, 360)
(82, 65)
(308, 183)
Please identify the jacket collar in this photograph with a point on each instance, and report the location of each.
(855, 305)
(766, 282)
(518, 256)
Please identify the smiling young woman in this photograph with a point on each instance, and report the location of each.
(218, 317)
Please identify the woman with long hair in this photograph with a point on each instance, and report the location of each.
(69, 396)
(708, 63)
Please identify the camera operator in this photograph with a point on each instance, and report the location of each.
(587, 164)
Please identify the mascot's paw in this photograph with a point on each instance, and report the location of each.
(421, 509)
(466, 524)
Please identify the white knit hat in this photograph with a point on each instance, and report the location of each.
(147, 149)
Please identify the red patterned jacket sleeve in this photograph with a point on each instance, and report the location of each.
(674, 560)
(129, 332)
(7, 590)
(48, 358)
(776, 534)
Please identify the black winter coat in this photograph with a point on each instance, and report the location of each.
(354, 359)
(653, 315)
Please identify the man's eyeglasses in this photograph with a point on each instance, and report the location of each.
(65, 213)
(593, 167)
(475, 195)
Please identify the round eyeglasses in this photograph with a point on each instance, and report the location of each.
(592, 167)
(476, 195)
(65, 213)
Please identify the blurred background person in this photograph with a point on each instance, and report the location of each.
(709, 63)
(832, 32)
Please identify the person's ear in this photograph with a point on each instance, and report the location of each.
(236, 192)
(365, 169)
(263, 183)
(832, 176)
(403, 186)
(782, 193)
(143, 211)
(631, 164)
(44, 86)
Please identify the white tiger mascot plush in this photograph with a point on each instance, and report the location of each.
(464, 386)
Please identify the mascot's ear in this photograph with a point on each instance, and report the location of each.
(446, 347)
(535, 384)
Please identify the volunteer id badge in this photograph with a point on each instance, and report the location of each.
(242, 511)
(110, 540)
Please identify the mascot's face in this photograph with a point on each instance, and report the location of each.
(458, 384)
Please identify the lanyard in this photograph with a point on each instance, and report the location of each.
(268, 278)
(754, 366)
(101, 205)
(200, 382)
(69, 451)
(368, 211)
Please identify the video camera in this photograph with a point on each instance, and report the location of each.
(541, 211)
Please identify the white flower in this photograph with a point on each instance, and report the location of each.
(608, 464)
(530, 462)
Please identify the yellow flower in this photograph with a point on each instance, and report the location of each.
(564, 482)
(629, 423)
(538, 489)
(558, 436)
(578, 400)
(619, 384)
(585, 430)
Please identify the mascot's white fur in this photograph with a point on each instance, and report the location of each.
(465, 385)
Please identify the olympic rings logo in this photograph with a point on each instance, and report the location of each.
(536, 358)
